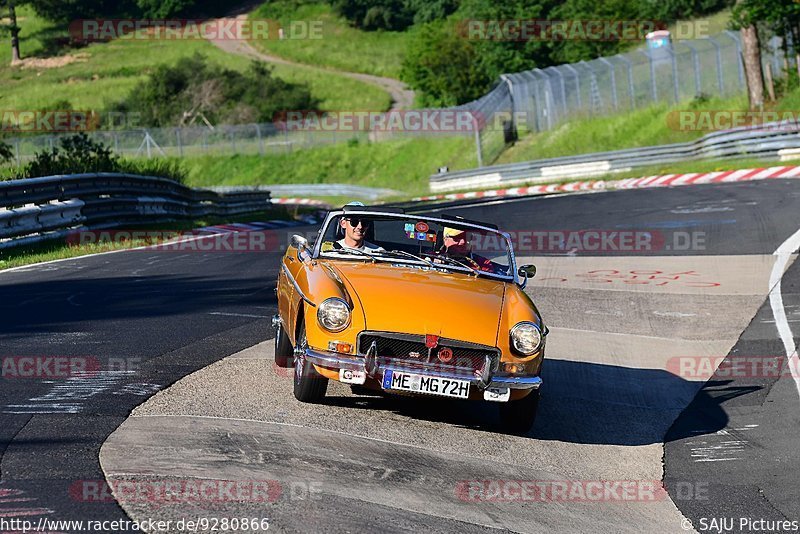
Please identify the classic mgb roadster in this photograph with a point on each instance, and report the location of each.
(410, 305)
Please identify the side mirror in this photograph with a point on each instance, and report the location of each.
(527, 271)
(301, 244)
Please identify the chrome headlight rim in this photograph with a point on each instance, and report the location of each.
(321, 309)
(513, 333)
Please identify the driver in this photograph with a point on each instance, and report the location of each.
(355, 233)
(457, 247)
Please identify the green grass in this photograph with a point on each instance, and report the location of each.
(340, 47)
(643, 127)
(110, 71)
(403, 165)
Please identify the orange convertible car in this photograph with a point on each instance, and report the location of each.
(410, 305)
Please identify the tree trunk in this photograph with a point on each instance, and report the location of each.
(751, 55)
(12, 15)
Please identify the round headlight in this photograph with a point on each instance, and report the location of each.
(526, 338)
(333, 314)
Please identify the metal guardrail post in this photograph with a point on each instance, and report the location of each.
(577, 83)
(477, 131)
(740, 69)
(563, 86)
(653, 88)
(612, 74)
(718, 48)
(260, 140)
(675, 88)
(178, 140)
(698, 88)
(595, 100)
(631, 90)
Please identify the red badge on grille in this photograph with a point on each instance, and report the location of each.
(445, 355)
(431, 341)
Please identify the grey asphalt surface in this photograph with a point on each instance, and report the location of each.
(738, 441)
(169, 314)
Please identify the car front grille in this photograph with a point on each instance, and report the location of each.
(401, 348)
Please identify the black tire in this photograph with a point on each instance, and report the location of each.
(517, 417)
(283, 348)
(309, 385)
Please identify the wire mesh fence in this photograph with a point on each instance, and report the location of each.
(534, 100)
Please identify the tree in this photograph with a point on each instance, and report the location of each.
(12, 28)
(745, 15)
(444, 66)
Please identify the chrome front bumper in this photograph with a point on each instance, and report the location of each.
(338, 360)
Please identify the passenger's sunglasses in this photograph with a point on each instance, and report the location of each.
(355, 221)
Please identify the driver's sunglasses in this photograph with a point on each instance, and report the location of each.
(355, 221)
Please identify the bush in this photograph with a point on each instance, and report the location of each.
(5, 152)
(75, 154)
(192, 87)
(163, 168)
(444, 66)
(395, 15)
(78, 154)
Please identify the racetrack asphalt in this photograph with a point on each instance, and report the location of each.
(609, 396)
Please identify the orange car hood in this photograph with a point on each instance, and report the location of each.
(414, 301)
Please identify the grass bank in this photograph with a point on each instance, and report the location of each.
(94, 76)
(339, 46)
(404, 165)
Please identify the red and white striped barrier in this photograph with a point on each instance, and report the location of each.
(692, 178)
(520, 191)
(301, 201)
(664, 180)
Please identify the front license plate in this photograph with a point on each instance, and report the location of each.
(432, 385)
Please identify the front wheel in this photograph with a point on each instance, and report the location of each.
(518, 416)
(309, 385)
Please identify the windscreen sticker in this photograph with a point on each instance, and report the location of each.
(422, 227)
(421, 236)
(409, 227)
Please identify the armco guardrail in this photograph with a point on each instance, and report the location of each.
(774, 140)
(42, 208)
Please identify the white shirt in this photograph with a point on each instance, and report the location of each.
(365, 246)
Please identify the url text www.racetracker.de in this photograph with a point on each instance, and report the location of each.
(199, 524)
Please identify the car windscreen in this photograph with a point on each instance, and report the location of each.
(423, 237)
